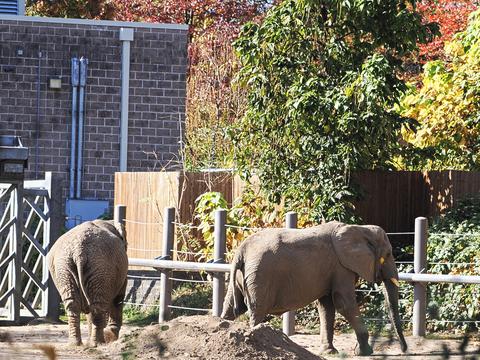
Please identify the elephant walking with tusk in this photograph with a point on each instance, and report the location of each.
(278, 270)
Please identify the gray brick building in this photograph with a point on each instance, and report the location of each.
(134, 98)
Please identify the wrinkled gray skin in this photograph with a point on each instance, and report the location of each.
(278, 270)
(89, 267)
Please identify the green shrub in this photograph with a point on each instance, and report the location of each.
(457, 255)
(448, 304)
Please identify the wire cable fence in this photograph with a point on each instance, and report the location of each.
(137, 222)
(243, 227)
(456, 234)
(186, 226)
(144, 278)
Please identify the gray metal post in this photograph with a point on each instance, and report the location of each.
(165, 282)
(220, 235)
(75, 81)
(81, 116)
(119, 214)
(420, 266)
(288, 318)
(126, 37)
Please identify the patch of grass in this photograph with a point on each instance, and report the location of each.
(276, 322)
(192, 295)
(140, 315)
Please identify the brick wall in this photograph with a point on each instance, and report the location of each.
(34, 50)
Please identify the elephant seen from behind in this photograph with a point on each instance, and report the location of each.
(89, 267)
(279, 270)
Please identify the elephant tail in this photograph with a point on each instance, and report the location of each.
(238, 298)
(81, 280)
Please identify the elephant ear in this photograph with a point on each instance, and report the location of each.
(356, 250)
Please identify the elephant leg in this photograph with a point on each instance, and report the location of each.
(74, 335)
(326, 311)
(345, 302)
(98, 324)
(255, 297)
(115, 316)
(72, 308)
(114, 324)
(89, 323)
(256, 317)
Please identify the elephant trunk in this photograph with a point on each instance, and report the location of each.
(391, 298)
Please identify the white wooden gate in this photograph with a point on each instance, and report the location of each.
(26, 215)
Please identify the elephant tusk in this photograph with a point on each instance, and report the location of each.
(395, 282)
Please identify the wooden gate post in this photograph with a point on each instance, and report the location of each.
(288, 318)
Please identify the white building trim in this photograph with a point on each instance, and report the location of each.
(39, 19)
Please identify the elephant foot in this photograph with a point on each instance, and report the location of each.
(328, 349)
(97, 340)
(110, 334)
(94, 343)
(363, 350)
(74, 342)
(228, 315)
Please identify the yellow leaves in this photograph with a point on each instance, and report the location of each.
(454, 49)
(408, 134)
(447, 100)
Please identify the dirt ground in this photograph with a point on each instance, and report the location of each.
(204, 337)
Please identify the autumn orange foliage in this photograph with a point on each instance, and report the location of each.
(452, 17)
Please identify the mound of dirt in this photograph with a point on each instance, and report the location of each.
(207, 337)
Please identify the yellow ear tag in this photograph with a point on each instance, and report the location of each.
(382, 260)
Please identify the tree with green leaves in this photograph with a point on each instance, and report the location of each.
(446, 108)
(322, 84)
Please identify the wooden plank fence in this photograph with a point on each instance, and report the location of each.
(146, 194)
(391, 200)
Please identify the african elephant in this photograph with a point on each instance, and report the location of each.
(278, 270)
(89, 267)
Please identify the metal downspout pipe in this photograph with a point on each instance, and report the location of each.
(75, 82)
(126, 36)
(81, 116)
(37, 120)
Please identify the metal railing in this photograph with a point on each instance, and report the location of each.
(218, 268)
